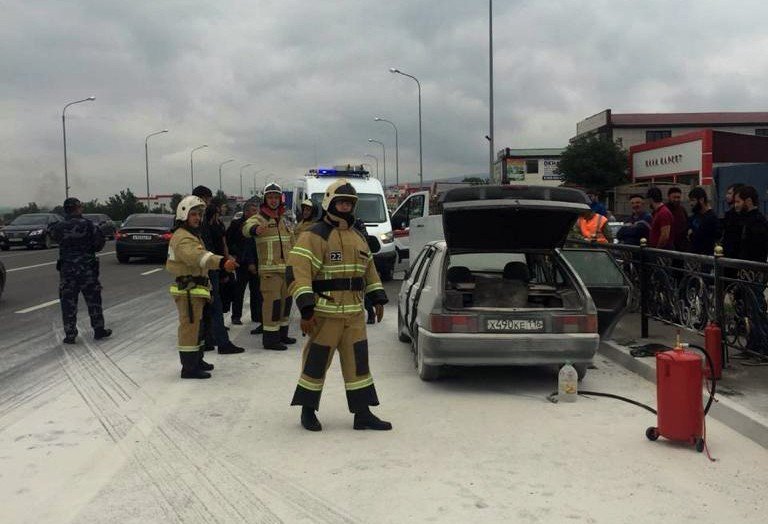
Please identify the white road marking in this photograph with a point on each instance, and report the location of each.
(39, 306)
(152, 271)
(51, 263)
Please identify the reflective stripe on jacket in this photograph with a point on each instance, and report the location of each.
(331, 269)
(592, 228)
(272, 246)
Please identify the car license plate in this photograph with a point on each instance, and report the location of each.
(141, 237)
(15, 240)
(514, 325)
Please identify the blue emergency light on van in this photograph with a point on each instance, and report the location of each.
(326, 171)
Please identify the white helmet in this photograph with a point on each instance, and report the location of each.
(186, 205)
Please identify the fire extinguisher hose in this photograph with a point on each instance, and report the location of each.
(712, 382)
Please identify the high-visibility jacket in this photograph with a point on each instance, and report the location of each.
(592, 228)
(331, 269)
(304, 225)
(189, 260)
(273, 245)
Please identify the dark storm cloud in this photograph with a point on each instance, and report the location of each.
(284, 83)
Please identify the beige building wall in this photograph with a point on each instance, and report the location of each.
(628, 137)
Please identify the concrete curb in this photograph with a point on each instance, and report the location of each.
(740, 419)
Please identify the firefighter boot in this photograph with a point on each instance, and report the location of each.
(230, 349)
(205, 366)
(309, 419)
(284, 338)
(364, 419)
(190, 365)
(271, 340)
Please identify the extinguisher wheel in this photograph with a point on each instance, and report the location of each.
(652, 433)
(699, 444)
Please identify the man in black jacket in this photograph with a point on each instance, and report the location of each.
(753, 238)
(731, 223)
(244, 251)
(79, 240)
(213, 314)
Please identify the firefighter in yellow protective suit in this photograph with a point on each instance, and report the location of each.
(329, 271)
(307, 218)
(274, 240)
(189, 262)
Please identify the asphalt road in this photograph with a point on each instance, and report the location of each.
(107, 432)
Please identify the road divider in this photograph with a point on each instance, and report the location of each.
(39, 306)
(51, 263)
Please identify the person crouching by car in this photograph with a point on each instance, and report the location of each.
(189, 262)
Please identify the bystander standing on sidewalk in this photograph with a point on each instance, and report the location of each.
(680, 223)
(703, 225)
(639, 224)
(661, 225)
(753, 241)
(731, 224)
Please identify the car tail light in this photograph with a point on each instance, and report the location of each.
(119, 235)
(575, 324)
(167, 235)
(453, 324)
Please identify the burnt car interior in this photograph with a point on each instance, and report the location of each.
(507, 280)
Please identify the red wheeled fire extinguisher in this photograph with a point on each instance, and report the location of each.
(679, 382)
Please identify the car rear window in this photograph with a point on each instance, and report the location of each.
(486, 262)
(30, 220)
(149, 221)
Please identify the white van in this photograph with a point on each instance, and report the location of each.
(371, 208)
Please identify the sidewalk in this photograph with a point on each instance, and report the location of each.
(742, 393)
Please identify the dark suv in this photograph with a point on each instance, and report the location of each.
(104, 223)
(30, 231)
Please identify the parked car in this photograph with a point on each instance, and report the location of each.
(144, 235)
(2, 277)
(107, 226)
(30, 230)
(500, 290)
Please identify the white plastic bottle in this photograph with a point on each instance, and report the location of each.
(567, 383)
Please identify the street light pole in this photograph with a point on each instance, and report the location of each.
(241, 177)
(490, 94)
(225, 162)
(64, 132)
(192, 165)
(146, 158)
(397, 149)
(377, 164)
(384, 153)
(421, 157)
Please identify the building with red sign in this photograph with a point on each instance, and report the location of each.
(691, 159)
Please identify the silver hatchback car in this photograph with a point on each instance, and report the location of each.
(501, 290)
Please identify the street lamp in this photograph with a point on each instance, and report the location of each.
(421, 158)
(64, 131)
(397, 149)
(146, 158)
(377, 164)
(241, 177)
(192, 165)
(490, 82)
(384, 162)
(225, 162)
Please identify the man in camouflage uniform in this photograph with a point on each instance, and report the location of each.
(79, 240)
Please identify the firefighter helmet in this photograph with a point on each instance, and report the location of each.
(187, 204)
(308, 202)
(272, 188)
(339, 189)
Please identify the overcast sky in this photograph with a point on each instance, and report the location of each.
(288, 83)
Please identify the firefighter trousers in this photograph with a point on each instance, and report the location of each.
(347, 334)
(275, 307)
(189, 329)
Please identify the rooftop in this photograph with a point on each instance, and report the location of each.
(693, 119)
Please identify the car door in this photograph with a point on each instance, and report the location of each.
(605, 281)
(415, 205)
(415, 290)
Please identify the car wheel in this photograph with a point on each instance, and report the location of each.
(426, 372)
(581, 371)
(123, 259)
(402, 336)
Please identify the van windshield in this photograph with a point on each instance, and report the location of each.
(370, 207)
